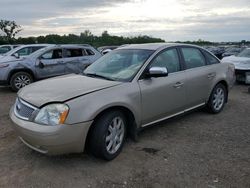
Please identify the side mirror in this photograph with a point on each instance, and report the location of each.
(16, 55)
(157, 72)
(39, 64)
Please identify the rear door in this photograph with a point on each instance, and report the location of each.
(165, 96)
(199, 76)
(50, 64)
(75, 60)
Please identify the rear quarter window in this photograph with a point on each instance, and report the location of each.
(210, 59)
(76, 52)
(193, 57)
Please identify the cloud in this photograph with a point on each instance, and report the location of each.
(169, 19)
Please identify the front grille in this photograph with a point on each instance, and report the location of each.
(23, 110)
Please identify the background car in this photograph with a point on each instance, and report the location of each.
(21, 51)
(242, 65)
(6, 48)
(128, 89)
(217, 51)
(54, 60)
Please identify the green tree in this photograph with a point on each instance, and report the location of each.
(10, 29)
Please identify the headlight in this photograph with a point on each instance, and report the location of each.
(52, 114)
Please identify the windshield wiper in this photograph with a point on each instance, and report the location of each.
(94, 75)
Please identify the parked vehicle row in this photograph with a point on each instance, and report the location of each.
(222, 51)
(44, 61)
(122, 92)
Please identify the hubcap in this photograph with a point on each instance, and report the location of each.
(115, 135)
(22, 81)
(218, 99)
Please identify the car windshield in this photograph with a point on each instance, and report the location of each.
(244, 53)
(119, 65)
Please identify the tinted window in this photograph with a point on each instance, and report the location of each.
(73, 52)
(52, 54)
(210, 59)
(193, 58)
(168, 59)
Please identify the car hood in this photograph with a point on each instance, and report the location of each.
(62, 88)
(240, 63)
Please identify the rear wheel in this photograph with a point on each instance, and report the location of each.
(20, 80)
(217, 99)
(108, 135)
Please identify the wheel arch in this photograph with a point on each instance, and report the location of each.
(223, 82)
(12, 72)
(132, 126)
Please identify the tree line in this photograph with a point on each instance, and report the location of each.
(10, 29)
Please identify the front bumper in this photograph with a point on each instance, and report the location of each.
(52, 140)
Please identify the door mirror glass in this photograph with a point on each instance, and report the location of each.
(158, 72)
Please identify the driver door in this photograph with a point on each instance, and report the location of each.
(50, 64)
(163, 97)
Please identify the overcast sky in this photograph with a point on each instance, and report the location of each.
(171, 20)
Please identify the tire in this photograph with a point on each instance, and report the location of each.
(20, 80)
(217, 99)
(107, 137)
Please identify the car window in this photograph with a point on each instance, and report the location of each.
(211, 59)
(52, 54)
(4, 49)
(168, 59)
(74, 52)
(193, 58)
(89, 52)
(24, 51)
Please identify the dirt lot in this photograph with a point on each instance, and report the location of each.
(196, 150)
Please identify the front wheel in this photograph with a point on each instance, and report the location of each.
(217, 99)
(20, 80)
(108, 135)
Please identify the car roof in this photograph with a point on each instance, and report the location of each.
(72, 45)
(153, 46)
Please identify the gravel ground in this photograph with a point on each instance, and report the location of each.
(195, 150)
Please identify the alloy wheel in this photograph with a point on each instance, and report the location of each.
(115, 135)
(21, 81)
(218, 98)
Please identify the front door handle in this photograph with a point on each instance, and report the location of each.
(178, 85)
(59, 61)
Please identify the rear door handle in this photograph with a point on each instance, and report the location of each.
(178, 85)
(59, 61)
